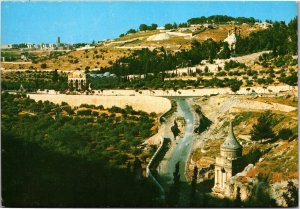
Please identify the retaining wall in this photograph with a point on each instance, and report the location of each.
(151, 166)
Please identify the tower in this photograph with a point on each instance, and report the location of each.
(227, 163)
(58, 42)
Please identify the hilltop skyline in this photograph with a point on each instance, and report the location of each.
(43, 22)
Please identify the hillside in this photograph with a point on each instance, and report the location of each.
(105, 53)
(277, 159)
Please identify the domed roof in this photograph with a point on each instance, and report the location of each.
(231, 142)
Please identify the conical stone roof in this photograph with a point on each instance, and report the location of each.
(231, 142)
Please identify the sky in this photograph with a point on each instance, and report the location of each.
(75, 22)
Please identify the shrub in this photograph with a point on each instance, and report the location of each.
(95, 113)
(44, 65)
(285, 134)
(263, 129)
(84, 112)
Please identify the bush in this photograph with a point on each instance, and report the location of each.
(84, 112)
(263, 129)
(95, 113)
(285, 134)
(44, 65)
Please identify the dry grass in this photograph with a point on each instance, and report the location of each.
(280, 167)
(88, 58)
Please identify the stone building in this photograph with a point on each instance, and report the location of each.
(227, 164)
(232, 37)
(77, 80)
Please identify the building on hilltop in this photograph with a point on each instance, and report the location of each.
(77, 80)
(227, 164)
(263, 25)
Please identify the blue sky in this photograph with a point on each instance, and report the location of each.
(42, 22)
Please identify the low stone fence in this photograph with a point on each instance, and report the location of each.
(144, 103)
(153, 164)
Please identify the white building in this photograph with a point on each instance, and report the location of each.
(85, 47)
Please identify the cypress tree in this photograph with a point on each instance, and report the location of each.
(193, 188)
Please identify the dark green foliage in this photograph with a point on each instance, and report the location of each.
(225, 53)
(263, 128)
(131, 31)
(55, 76)
(285, 133)
(174, 192)
(238, 200)
(221, 19)
(280, 38)
(291, 196)
(84, 112)
(233, 64)
(32, 81)
(35, 176)
(193, 188)
(260, 195)
(67, 161)
(144, 27)
(168, 26)
(204, 122)
(235, 86)
(175, 130)
(44, 65)
(252, 157)
(291, 80)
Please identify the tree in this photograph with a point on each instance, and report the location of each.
(260, 195)
(173, 196)
(137, 169)
(235, 86)
(154, 26)
(131, 31)
(238, 200)
(175, 130)
(225, 53)
(291, 80)
(193, 188)
(285, 134)
(262, 129)
(44, 65)
(168, 26)
(55, 76)
(143, 27)
(291, 196)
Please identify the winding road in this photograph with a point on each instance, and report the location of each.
(181, 148)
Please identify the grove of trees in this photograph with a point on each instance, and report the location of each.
(58, 156)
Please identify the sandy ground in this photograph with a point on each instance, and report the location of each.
(145, 103)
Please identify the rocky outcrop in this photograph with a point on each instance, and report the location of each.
(247, 184)
(207, 172)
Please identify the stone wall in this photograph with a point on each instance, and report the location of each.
(151, 166)
(144, 103)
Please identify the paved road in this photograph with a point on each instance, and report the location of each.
(180, 152)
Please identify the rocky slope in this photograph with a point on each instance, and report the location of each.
(277, 159)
